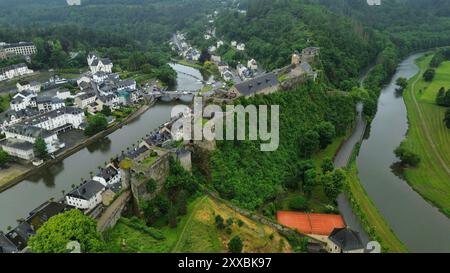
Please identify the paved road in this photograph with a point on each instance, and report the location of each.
(341, 161)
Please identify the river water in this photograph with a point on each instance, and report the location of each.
(18, 201)
(417, 223)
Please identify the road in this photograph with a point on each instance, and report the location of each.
(341, 160)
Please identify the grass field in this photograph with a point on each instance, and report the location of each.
(428, 136)
(368, 214)
(196, 232)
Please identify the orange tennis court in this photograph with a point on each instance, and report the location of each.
(311, 223)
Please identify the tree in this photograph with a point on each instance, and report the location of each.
(447, 118)
(40, 148)
(402, 83)
(309, 181)
(429, 74)
(310, 143)
(219, 222)
(333, 183)
(327, 165)
(298, 203)
(106, 111)
(235, 245)
(96, 124)
(61, 229)
(326, 132)
(407, 157)
(4, 158)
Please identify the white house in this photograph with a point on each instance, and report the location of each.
(216, 58)
(31, 133)
(22, 100)
(108, 176)
(207, 36)
(240, 47)
(96, 64)
(32, 86)
(252, 64)
(127, 84)
(82, 101)
(18, 148)
(60, 119)
(47, 104)
(344, 240)
(87, 196)
(233, 43)
(100, 76)
(63, 94)
(13, 71)
(219, 43)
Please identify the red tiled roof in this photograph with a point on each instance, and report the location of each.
(311, 223)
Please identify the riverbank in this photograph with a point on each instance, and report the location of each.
(428, 137)
(17, 178)
(369, 216)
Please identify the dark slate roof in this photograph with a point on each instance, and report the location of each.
(18, 44)
(257, 84)
(108, 173)
(20, 235)
(87, 190)
(87, 95)
(41, 214)
(17, 144)
(51, 115)
(106, 61)
(346, 239)
(6, 246)
(28, 130)
(45, 99)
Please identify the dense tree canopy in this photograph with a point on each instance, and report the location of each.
(59, 230)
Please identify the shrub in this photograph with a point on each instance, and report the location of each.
(298, 203)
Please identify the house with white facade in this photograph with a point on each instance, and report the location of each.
(63, 94)
(82, 101)
(23, 100)
(47, 104)
(10, 72)
(21, 48)
(26, 85)
(252, 64)
(58, 120)
(100, 76)
(87, 196)
(108, 176)
(31, 134)
(240, 47)
(18, 148)
(97, 64)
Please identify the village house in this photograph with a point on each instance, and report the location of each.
(18, 148)
(97, 64)
(240, 47)
(220, 43)
(233, 43)
(264, 84)
(31, 134)
(252, 64)
(59, 120)
(22, 100)
(344, 240)
(84, 100)
(21, 48)
(216, 58)
(47, 104)
(108, 176)
(110, 100)
(10, 72)
(63, 94)
(100, 76)
(11, 117)
(87, 196)
(6, 246)
(243, 72)
(26, 85)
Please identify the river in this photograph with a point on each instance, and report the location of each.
(417, 223)
(19, 200)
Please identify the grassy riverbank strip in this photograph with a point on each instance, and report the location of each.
(428, 137)
(371, 219)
